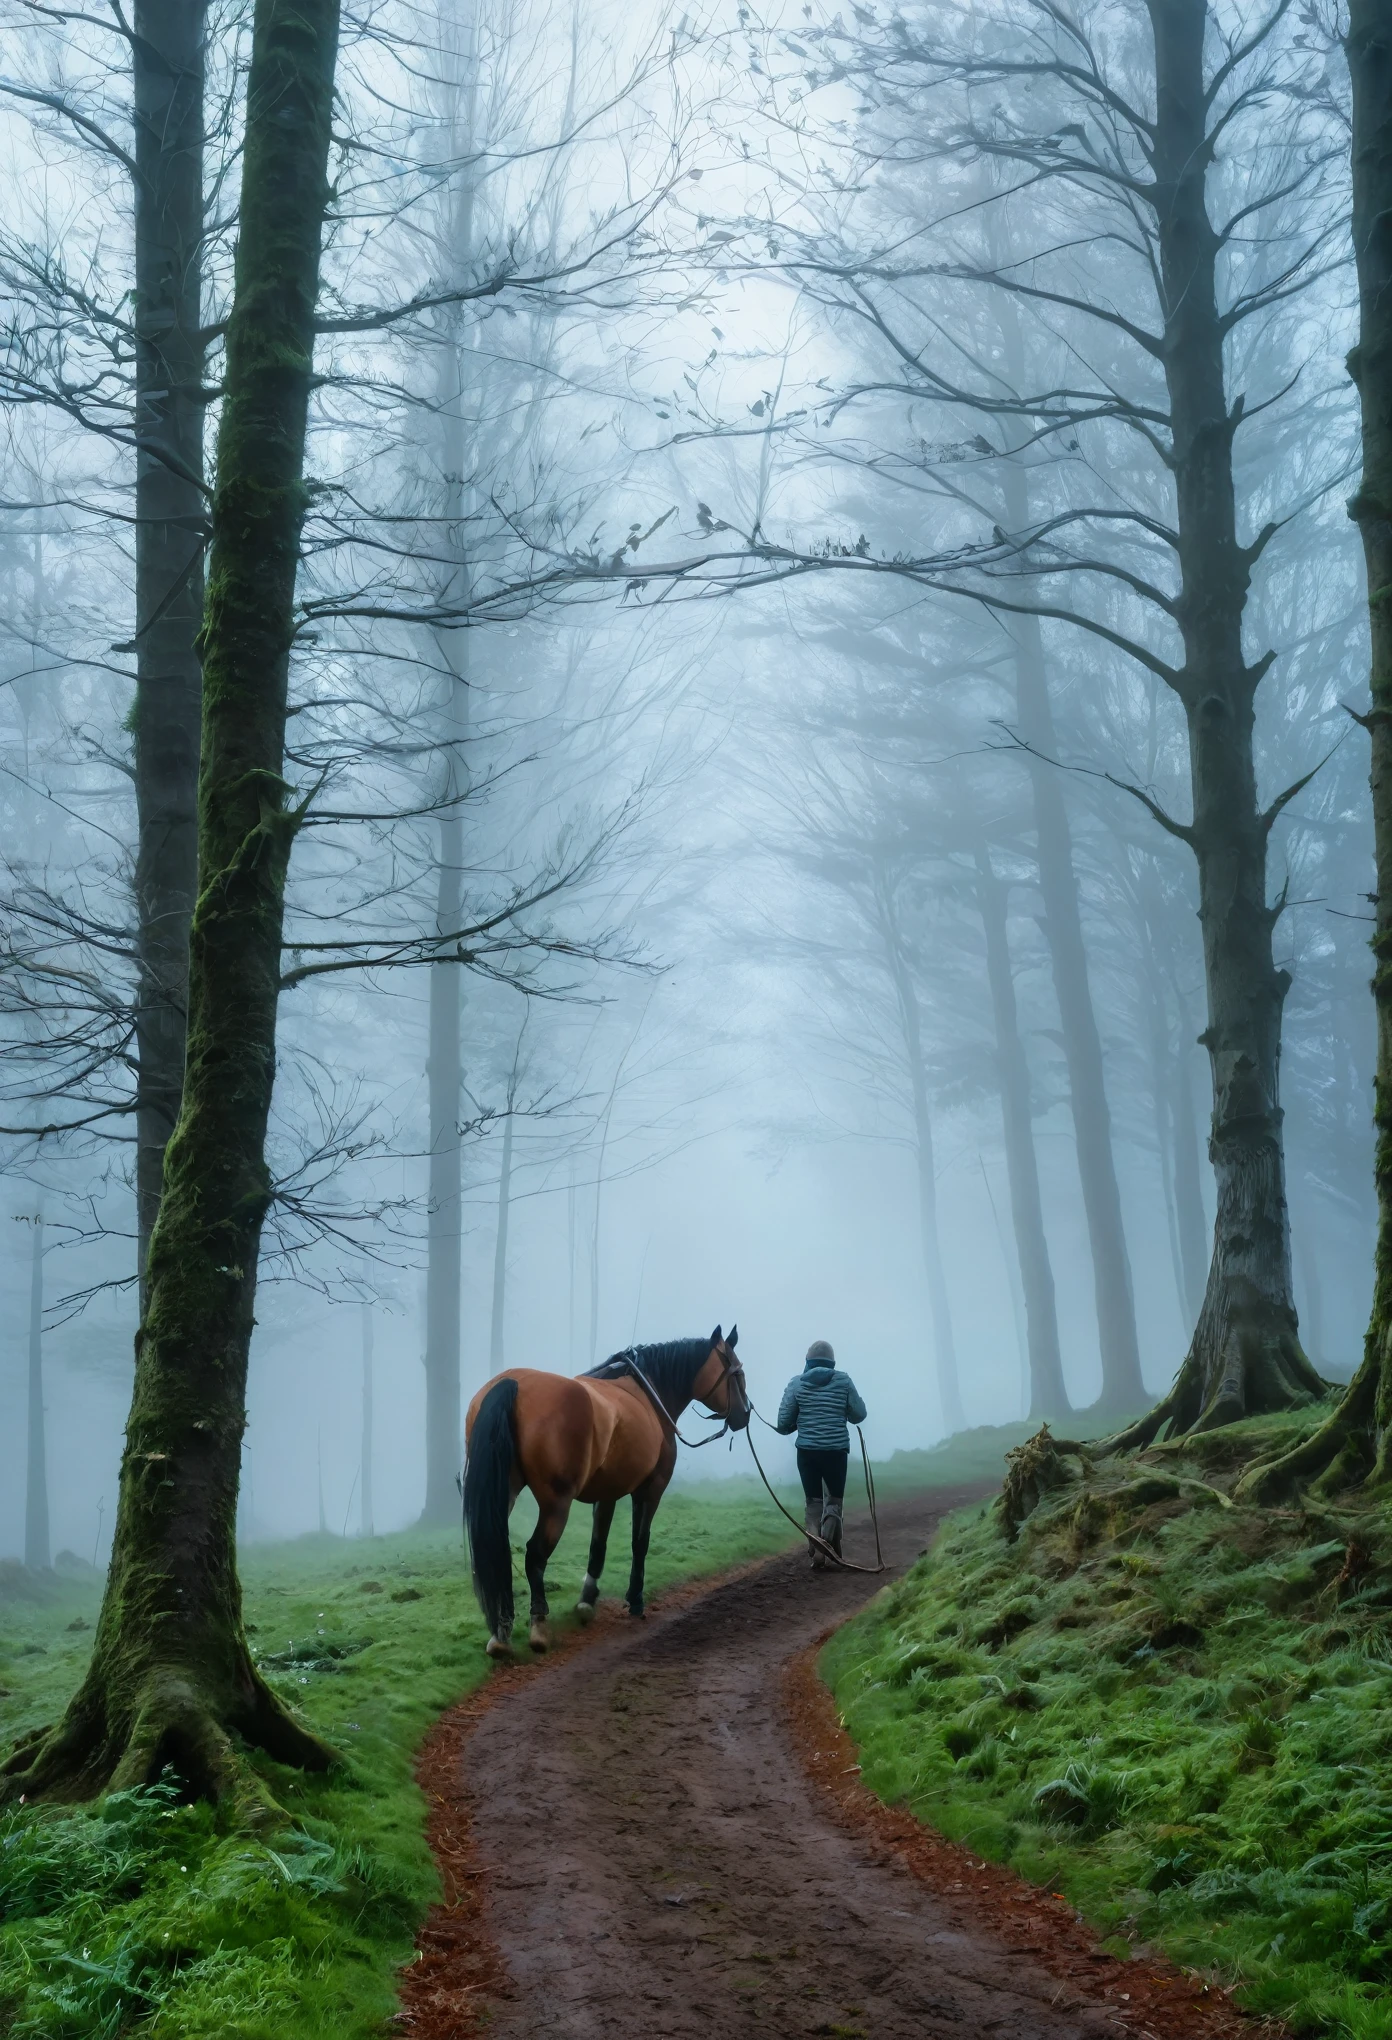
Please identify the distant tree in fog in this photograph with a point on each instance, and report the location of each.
(1156, 200)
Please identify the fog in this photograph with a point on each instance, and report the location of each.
(741, 561)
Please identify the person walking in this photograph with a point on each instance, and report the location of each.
(817, 1405)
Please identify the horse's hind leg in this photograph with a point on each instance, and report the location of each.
(599, 1545)
(551, 1521)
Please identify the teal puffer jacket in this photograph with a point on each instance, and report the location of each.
(816, 1404)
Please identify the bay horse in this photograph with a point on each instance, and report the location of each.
(593, 1437)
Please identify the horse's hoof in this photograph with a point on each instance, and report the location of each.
(539, 1638)
(637, 1614)
(499, 1649)
(584, 1612)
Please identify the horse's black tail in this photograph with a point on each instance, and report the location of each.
(487, 1484)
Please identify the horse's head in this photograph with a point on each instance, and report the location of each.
(720, 1384)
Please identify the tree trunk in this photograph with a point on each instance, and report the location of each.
(594, 1249)
(37, 1554)
(1122, 1386)
(1162, 1102)
(1355, 1443)
(570, 1266)
(1011, 1264)
(444, 1244)
(365, 1497)
(500, 1249)
(1189, 1210)
(444, 1241)
(167, 54)
(1245, 1356)
(1307, 1236)
(171, 1678)
(445, 1067)
(1048, 1396)
(1175, 1130)
(939, 1302)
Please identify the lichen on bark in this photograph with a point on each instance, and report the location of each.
(171, 1679)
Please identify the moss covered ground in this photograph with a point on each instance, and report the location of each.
(1174, 1710)
(144, 1916)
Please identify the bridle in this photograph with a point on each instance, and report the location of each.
(731, 1372)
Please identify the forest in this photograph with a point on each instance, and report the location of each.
(658, 667)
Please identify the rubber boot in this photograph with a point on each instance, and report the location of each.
(831, 1525)
(812, 1525)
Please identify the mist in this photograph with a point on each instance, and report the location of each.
(745, 715)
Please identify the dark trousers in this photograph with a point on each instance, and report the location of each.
(816, 1467)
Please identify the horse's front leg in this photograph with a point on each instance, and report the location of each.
(599, 1546)
(551, 1522)
(645, 1500)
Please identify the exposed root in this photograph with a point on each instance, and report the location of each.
(1143, 1432)
(172, 1723)
(1033, 1470)
(1245, 1360)
(1349, 1449)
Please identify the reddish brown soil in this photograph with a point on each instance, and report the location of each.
(660, 1833)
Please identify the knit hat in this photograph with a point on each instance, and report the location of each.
(819, 1354)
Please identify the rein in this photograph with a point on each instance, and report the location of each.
(835, 1558)
(692, 1444)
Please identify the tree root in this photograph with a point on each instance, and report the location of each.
(170, 1721)
(1143, 1432)
(1247, 1364)
(1347, 1450)
(1033, 1470)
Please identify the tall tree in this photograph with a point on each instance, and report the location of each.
(1123, 1390)
(444, 1233)
(511, 1104)
(1048, 1396)
(906, 999)
(171, 1677)
(127, 360)
(1355, 1443)
(171, 343)
(37, 1548)
(365, 1499)
(1114, 146)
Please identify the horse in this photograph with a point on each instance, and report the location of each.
(593, 1437)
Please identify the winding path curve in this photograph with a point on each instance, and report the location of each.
(655, 1863)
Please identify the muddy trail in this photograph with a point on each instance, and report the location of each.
(659, 1833)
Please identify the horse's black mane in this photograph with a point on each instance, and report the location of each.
(671, 1367)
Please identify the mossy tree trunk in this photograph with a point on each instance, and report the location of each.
(171, 1679)
(167, 64)
(1355, 1443)
(1245, 1355)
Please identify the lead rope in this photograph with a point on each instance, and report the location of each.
(846, 1564)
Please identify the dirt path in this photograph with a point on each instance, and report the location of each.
(654, 1860)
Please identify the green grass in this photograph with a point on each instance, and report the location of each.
(1175, 1711)
(143, 1916)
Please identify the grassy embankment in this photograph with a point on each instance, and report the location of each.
(1176, 1711)
(141, 1916)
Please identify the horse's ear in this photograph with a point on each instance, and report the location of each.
(716, 1336)
(733, 1339)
